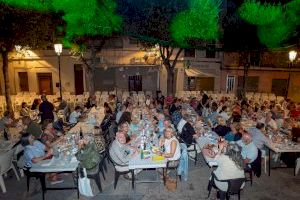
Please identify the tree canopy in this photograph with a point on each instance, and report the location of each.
(276, 23)
(83, 18)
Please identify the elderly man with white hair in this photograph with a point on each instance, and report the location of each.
(249, 150)
(121, 153)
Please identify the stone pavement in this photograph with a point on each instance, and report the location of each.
(282, 185)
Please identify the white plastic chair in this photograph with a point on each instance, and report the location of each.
(297, 166)
(6, 165)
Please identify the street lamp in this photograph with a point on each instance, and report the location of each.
(58, 51)
(292, 57)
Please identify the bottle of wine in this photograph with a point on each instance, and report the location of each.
(80, 134)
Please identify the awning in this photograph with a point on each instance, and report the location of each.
(194, 72)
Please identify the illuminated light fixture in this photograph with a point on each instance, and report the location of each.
(18, 48)
(58, 49)
(292, 55)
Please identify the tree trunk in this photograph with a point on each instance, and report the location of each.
(6, 81)
(170, 80)
(90, 77)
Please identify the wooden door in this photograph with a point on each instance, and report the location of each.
(78, 73)
(45, 83)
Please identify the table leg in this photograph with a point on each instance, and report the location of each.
(270, 161)
(43, 184)
(295, 158)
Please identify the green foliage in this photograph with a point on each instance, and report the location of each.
(38, 5)
(199, 22)
(276, 23)
(83, 17)
(260, 14)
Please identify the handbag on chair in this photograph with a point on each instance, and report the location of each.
(84, 185)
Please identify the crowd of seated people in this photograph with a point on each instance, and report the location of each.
(172, 122)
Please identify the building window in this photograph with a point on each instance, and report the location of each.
(23, 80)
(251, 85)
(211, 51)
(133, 41)
(189, 53)
(279, 87)
(135, 83)
(230, 83)
(254, 58)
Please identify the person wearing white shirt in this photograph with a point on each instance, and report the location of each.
(249, 150)
(230, 165)
(73, 119)
(271, 122)
(223, 113)
(259, 139)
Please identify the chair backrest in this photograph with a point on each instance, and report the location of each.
(256, 164)
(112, 160)
(6, 161)
(234, 185)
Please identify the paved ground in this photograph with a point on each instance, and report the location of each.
(282, 185)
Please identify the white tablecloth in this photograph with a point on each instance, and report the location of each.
(138, 163)
(55, 165)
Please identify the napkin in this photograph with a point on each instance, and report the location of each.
(157, 158)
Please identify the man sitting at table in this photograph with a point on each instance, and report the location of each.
(121, 153)
(33, 128)
(249, 150)
(35, 152)
(73, 119)
(259, 139)
(186, 131)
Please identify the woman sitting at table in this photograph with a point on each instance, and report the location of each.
(124, 128)
(134, 126)
(24, 110)
(170, 144)
(34, 152)
(230, 166)
(88, 156)
(235, 134)
(49, 133)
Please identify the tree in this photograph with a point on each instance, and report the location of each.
(276, 23)
(21, 27)
(173, 25)
(253, 25)
(86, 23)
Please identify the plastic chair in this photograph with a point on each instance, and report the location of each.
(234, 187)
(118, 173)
(170, 167)
(6, 165)
(255, 168)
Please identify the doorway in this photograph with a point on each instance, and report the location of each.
(78, 73)
(23, 80)
(135, 83)
(45, 83)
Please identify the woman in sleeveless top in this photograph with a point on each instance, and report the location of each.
(171, 145)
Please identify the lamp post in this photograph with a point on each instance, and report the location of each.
(58, 51)
(292, 57)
